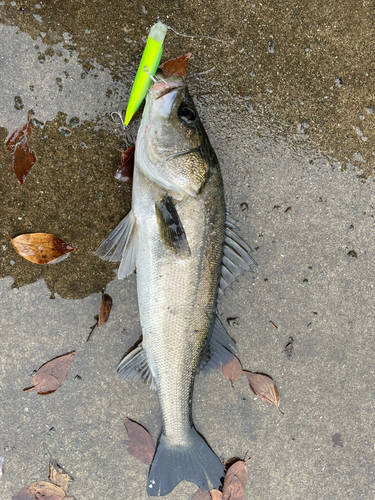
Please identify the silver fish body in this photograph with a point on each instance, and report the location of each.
(182, 243)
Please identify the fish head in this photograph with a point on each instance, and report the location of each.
(172, 147)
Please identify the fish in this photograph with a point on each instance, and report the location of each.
(186, 252)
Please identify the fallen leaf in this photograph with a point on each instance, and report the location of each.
(140, 445)
(23, 157)
(52, 374)
(41, 248)
(19, 135)
(176, 67)
(59, 476)
(265, 388)
(239, 470)
(233, 489)
(232, 370)
(337, 440)
(125, 172)
(201, 495)
(105, 309)
(23, 161)
(42, 490)
(216, 495)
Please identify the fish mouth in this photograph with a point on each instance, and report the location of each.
(162, 87)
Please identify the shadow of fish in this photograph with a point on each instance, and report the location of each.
(186, 251)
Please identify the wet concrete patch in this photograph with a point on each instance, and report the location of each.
(68, 192)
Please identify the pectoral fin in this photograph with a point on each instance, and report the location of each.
(121, 245)
(171, 230)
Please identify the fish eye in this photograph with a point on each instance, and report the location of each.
(186, 115)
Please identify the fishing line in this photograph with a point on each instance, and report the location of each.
(204, 72)
(197, 36)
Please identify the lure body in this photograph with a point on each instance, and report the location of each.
(147, 68)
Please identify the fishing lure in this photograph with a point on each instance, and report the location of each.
(147, 68)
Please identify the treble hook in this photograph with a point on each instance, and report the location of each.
(153, 78)
(122, 118)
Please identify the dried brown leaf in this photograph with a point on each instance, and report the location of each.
(23, 161)
(233, 489)
(176, 67)
(52, 374)
(105, 309)
(125, 172)
(239, 470)
(265, 388)
(216, 495)
(23, 158)
(59, 476)
(232, 370)
(42, 490)
(140, 445)
(41, 248)
(19, 135)
(201, 495)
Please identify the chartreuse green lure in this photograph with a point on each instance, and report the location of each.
(147, 68)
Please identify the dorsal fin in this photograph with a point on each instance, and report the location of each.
(236, 257)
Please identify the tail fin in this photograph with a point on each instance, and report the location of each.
(194, 462)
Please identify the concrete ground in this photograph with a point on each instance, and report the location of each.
(285, 91)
